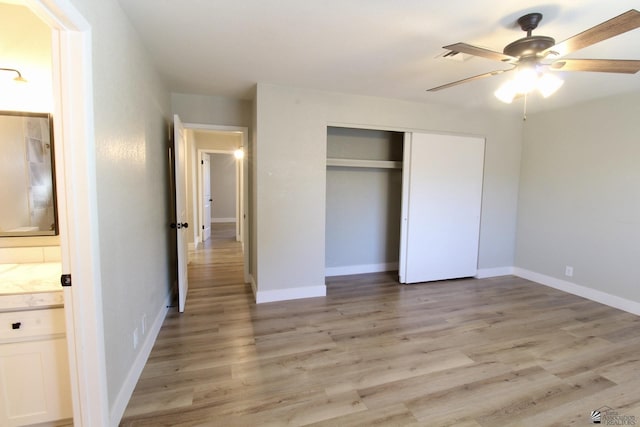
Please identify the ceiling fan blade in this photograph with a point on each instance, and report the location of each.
(623, 66)
(479, 51)
(468, 79)
(611, 28)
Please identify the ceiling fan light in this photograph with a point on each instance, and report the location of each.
(526, 79)
(507, 91)
(548, 84)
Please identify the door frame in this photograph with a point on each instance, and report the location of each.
(72, 72)
(242, 189)
(200, 200)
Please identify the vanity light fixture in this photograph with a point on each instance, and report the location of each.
(19, 78)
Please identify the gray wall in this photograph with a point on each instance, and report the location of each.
(291, 128)
(214, 110)
(580, 195)
(223, 186)
(131, 113)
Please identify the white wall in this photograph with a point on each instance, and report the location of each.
(223, 187)
(217, 140)
(291, 128)
(580, 195)
(131, 113)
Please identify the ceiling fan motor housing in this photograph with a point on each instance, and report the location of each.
(529, 46)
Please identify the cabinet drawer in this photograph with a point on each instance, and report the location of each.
(32, 323)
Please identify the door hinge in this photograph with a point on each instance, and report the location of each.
(202, 162)
(203, 227)
(65, 280)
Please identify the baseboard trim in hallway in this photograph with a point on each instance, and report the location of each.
(122, 400)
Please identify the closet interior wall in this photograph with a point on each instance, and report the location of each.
(363, 200)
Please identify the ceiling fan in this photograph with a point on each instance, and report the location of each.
(528, 53)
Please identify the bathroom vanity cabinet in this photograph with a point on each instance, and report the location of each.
(34, 368)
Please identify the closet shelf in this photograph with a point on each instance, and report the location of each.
(358, 163)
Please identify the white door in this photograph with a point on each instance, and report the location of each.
(206, 197)
(181, 224)
(442, 195)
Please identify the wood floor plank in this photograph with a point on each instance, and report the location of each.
(396, 415)
(468, 352)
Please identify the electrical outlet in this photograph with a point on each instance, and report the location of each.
(568, 271)
(144, 324)
(135, 338)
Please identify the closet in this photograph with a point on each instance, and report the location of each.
(403, 201)
(363, 200)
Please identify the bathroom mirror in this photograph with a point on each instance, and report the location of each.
(27, 192)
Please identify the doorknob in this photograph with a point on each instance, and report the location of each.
(179, 225)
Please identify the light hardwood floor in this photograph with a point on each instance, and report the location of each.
(491, 352)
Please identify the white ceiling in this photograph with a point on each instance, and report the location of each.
(369, 47)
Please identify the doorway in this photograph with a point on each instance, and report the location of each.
(75, 187)
(220, 191)
(216, 165)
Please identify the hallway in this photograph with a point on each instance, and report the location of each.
(193, 346)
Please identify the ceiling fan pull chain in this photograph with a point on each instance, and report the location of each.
(524, 113)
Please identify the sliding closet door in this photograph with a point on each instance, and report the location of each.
(442, 193)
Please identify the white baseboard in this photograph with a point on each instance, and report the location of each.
(289, 293)
(223, 220)
(484, 273)
(122, 399)
(583, 291)
(360, 269)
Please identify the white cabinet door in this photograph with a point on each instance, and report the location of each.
(34, 382)
(442, 195)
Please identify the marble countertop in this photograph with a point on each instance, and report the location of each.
(25, 286)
